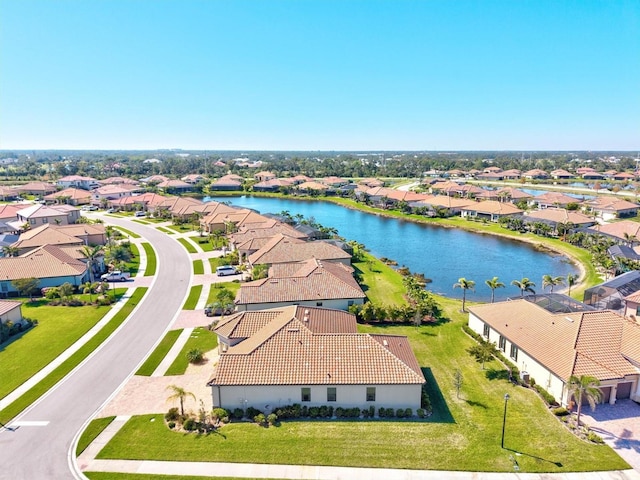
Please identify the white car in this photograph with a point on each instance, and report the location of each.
(226, 270)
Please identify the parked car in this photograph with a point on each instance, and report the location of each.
(89, 208)
(115, 276)
(226, 270)
(212, 311)
(140, 213)
(110, 210)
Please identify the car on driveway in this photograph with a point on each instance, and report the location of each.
(226, 270)
(115, 276)
(213, 311)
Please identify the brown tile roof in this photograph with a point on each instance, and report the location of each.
(8, 211)
(43, 262)
(311, 280)
(611, 204)
(264, 230)
(46, 235)
(283, 249)
(44, 211)
(312, 186)
(286, 352)
(618, 229)
(586, 343)
(8, 305)
(72, 193)
(116, 180)
(551, 198)
(38, 187)
(560, 215)
(493, 207)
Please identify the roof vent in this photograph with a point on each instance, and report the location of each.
(385, 343)
(306, 319)
(306, 312)
(569, 319)
(293, 330)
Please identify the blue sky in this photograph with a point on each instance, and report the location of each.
(320, 75)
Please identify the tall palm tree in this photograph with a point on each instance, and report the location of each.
(180, 394)
(571, 280)
(493, 284)
(525, 285)
(91, 253)
(10, 251)
(549, 281)
(584, 387)
(465, 285)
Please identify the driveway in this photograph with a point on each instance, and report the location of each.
(619, 426)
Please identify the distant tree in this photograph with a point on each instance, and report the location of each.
(549, 281)
(26, 286)
(493, 284)
(484, 351)
(465, 285)
(571, 280)
(525, 285)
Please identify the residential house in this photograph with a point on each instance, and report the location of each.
(609, 208)
(284, 249)
(10, 311)
(8, 193)
(310, 187)
(37, 188)
(624, 176)
(61, 235)
(193, 178)
(102, 195)
(557, 216)
(298, 179)
(623, 231)
(154, 179)
(272, 185)
(441, 205)
(77, 181)
(560, 174)
(119, 181)
(553, 199)
(70, 196)
(38, 214)
(552, 347)
(310, 283)
(535, 174)
(175, 186)
(147, 201)
(490, 210)
(312, 357)
(264, 176)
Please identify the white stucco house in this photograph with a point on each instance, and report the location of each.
(313, 357)
(552, 347)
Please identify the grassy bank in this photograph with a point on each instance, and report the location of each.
(151, 363)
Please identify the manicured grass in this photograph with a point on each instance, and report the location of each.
(152, 261)
(54, 377)
(462, 434)
(165, 230)
(233, 287)
(145, 476)
(151, 363)
(180, 228)
(192, 299)
(198, 267)
(203, 242)
(90, 433)
(188, 245)
(143, 222)
(133, 265)
(381, 283)
(58, 328)
(128, 232)
(202, 339)
(218, 262)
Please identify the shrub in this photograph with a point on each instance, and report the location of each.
(195, 355)
(400, 413)
(104, 300)
(252, 412)
(421, 413)
(389, 413)
(408, 413)
(237, 413)
(272, 418)
(260, 419)
(171, 425)
(546, 396)
(172, 415)
(220, 414)
(560, 412)
(592, 437)
(381, 412)
(190, 425)
(425, 401)
(314, 412)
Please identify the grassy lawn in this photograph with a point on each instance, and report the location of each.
(143, 222)
(188, 245)
(145, 476)
(58, 328)
(151, 363)
(192, 299)
(54, 377)
(133, 265)
(218, 262)
(166, 230)
(201, 338)
(198, 267)
(233, 287)
(128, 232)
(94, 429)
(180, 228)
(204, 243)
(152, 261)
(381, 283)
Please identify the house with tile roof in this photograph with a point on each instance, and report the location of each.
(609, 208)
(10, 311)
(48, 263)
(490, 210)
(623, 230)
(77, 181)
(37, 188)
(175, 186)
(284, 249)
(38, 214)
(70, 196)
(560, 174)
(310, 282)
(61, 235)
(552, 199)
(535, 174)
(111, 192)
(8, 193)
(312, 357)
(552, 347)
(555, 216)
(227, 183)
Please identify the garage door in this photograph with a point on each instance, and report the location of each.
(624, 391)
(606, 394)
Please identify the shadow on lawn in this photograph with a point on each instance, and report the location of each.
(493, 374)
(539, 459)
(441, 412)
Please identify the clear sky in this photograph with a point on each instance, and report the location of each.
(320, 75)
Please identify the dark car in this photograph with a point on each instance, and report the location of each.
(211, 311)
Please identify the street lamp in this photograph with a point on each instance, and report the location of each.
(504, 418)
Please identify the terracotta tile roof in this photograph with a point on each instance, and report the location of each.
(46, 235)
(493, 207)
(76, 178)
(305, 281)
(116, 180)
(38, 187)
(286, 352)
(8, 305)
(112, 189)
(312, 186)
(9, 211)
(634, 297)
(619, 229)
(283, 249)
(174, 183)
(43, 262)
(446, 201)
(561, 173)
(81, 229)
(72, 193)
(585, 343)
(514, 193)
(42, 211)
(560, 215)
(551, 198)
(611, 204)
(264, 231)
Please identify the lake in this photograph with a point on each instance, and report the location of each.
(441, 254)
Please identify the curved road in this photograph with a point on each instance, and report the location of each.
(41, 451)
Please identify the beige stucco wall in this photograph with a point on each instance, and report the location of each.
(388, 396)
(14, 315)
(339, 304)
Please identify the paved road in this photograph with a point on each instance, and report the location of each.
(39, 448)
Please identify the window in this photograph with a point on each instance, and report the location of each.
(502, 343)
(485, 330)
(331, 394)
(349, 303)
(306, 394)
(371, 394)
(318, 304)
(514, 352)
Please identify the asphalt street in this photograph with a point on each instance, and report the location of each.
(40, 447)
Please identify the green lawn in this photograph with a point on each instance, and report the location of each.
(201, 338)
(188, 245)
(180, 228)
(152, 261)
(198, 267)
(203, 242)
(90, 433)
(133, 265)
(128, 232)
(143, 222)
(192, 299)
(74, 360)
(58, 328)
(216, 262)
(233, 287)
(151, 363)
(166, 230)
(144, 476)
(381, 283)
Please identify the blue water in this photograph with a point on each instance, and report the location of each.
(535, 193)
(441, 254)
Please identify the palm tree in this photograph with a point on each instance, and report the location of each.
(493, 284)
(549, 281)
(630, 238)
(584, 387)
(525, 285)
(91, 253)
(10, 251)
(180, 394)
(571, 280)
(465, 285)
